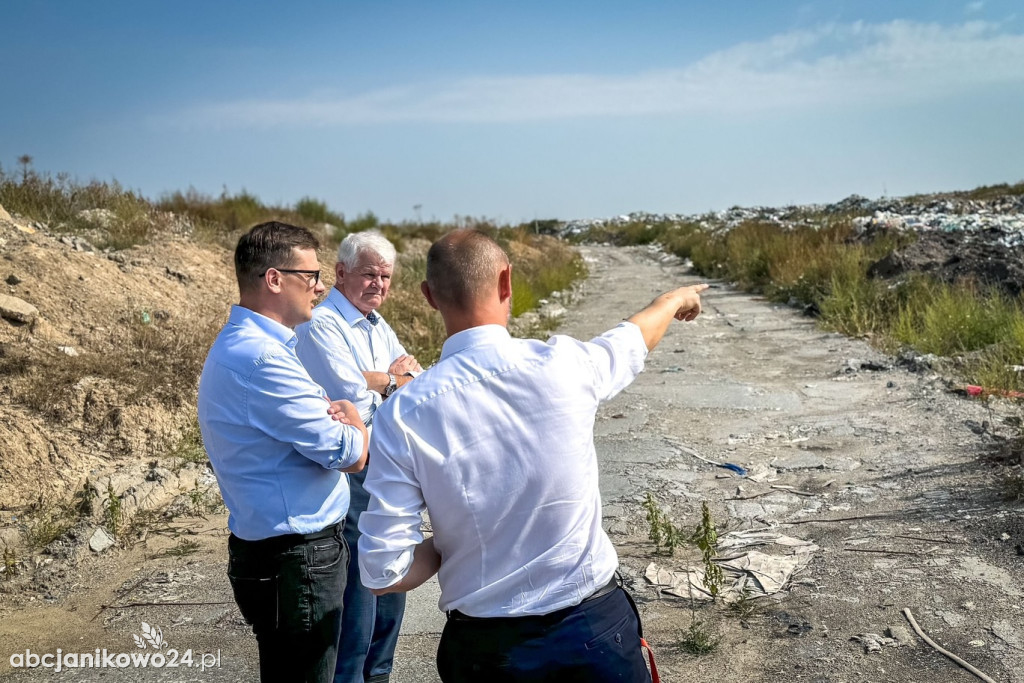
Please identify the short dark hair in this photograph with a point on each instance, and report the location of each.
(463, 265)
(269, 245)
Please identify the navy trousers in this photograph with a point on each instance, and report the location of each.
(597, 641)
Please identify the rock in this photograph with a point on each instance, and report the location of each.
(13, 279)
(4, 216)
(900, 634)
(17, 310)
(183, 278)
(100, 541)
(68, 350)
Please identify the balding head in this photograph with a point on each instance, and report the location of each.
(464, 269)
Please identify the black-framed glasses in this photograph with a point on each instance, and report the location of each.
(315, 274)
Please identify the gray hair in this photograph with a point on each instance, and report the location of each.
(370, 241)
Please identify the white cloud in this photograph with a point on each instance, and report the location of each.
(832, 65)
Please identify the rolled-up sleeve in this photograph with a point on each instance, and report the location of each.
(390, 526)
(286, 405)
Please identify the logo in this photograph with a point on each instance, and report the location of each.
(158, 655)
(150, 634)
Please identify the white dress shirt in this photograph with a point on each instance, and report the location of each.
(275, 450)
(496, 441)
(339, 343)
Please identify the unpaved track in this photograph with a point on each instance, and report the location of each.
(749, 383)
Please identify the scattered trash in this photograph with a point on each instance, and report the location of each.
(726, 465)
(749, 575)
(975, 390)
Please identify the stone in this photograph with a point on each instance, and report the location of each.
(17, 310)
(4, 216)
(100, 541)
(13, 280)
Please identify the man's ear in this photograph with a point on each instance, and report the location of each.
(339, 272)
(425, 288)
(273, 280)
(505, 284)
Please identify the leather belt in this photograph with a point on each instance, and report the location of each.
(604, 590)
(285, 541)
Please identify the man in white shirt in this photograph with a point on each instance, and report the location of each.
(350, 350)
(496, 442)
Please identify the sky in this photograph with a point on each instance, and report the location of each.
(521, 110)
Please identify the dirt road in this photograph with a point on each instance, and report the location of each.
(883, 472)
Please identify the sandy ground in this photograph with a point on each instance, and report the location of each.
(888, 477)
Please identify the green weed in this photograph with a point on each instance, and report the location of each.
(662, 531)
(43, 523)
(10, 563)
(113, 511)
(701, 638)
(705, 537)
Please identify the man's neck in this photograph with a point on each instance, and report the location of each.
(257, 306)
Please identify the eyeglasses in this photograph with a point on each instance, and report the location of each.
(314, 274)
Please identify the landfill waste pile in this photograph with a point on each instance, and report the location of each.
(957, 237)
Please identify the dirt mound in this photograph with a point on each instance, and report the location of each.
(89, 379)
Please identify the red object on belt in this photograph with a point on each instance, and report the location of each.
(650, 658)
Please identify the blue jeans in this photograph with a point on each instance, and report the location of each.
(370, 624)
(289, 590)
(597, 641)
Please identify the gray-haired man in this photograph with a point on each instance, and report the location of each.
(353, 353)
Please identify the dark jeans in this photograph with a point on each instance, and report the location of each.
(595, 642)
(289, 589)
(370, 624)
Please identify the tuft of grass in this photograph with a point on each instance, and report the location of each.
(189, 448)
(662, 531)
(702, 638)
(44, 522)
(113, 511)
(10, 563)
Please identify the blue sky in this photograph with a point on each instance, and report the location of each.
(519, 110)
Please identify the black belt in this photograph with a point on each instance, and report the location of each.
(604, 590)
(277, 543)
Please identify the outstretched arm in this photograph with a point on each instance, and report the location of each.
(681, 304)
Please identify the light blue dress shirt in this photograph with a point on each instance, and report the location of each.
(339, 343)
(275, 450)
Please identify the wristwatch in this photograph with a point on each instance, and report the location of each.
(392, 385)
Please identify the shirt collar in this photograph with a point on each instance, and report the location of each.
(240, 315)
(348, 311)
(474, 336)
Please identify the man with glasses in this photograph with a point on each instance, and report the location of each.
(279, 457)
(351, 351)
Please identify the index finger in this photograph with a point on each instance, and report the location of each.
(701, 287)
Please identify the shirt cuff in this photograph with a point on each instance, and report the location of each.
(389, 574)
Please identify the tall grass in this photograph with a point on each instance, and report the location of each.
(824, 267)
